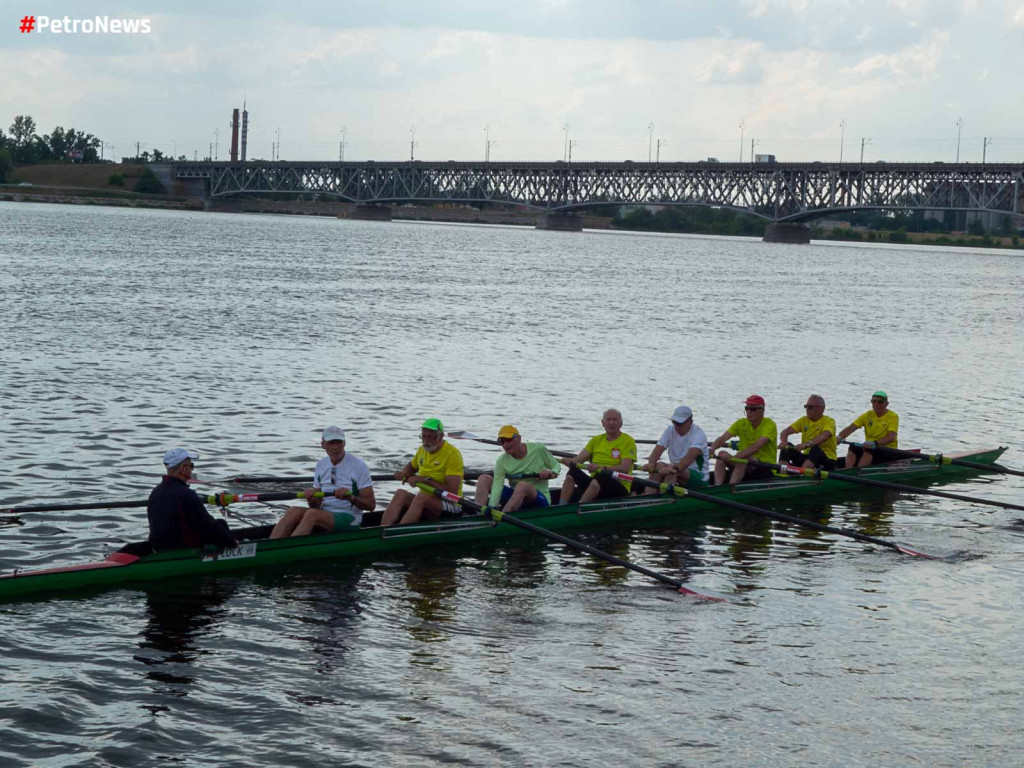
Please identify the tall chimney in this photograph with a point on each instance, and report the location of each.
(234, 135)
(245, 129)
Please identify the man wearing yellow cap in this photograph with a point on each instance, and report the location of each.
(527, 466)
(880, 434)
(437, 464)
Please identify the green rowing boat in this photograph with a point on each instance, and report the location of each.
(134, 564)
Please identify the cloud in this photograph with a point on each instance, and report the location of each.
(915, 62)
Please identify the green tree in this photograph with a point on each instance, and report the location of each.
(6, 166)
(148, 183)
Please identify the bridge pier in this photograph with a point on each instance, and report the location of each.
(799, 234)
(370, 212)
(560, 222)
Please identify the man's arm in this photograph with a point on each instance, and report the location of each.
(653, 458)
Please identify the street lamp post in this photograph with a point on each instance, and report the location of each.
(341, 145)
(658, 155)
(412, 144)
(862, 143)
(842, 136)
(959, 125)
(984, 147)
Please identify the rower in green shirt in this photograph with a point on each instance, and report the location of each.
(527, 466)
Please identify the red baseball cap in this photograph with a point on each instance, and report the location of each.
(755, 400)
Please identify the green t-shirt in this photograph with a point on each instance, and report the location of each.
(747, 435)
(537, 457)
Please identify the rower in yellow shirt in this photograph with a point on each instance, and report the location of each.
(757, 435)
(881, 427)
(817, 446)
(614, 450)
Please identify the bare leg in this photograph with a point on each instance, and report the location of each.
(523, 494)
(285, 526)
(315, 518)
(738, 471)
(398, 504)
(568, 486)
(423, 505)
(484, 483)
(591, 492)
(866, 457)
(720, 471)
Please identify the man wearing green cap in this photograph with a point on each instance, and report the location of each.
(880, 428)
(437, 464)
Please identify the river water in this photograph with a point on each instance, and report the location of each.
(127, 332)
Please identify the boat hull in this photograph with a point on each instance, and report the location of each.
(122, 569)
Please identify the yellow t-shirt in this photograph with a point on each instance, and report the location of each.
(876, 427)
(747, 435)
(609, 453)
(437, 466)
(811, 429)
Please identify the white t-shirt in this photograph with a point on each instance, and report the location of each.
(678, 445)
(329, 477)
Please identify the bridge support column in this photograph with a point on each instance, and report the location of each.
(561, 222)
(799, 234)
(222, 205)
(370, 212)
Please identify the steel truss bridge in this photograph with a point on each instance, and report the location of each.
(779, 192)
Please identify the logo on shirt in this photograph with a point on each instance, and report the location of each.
(616, 453)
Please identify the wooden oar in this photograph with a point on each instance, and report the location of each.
(498, 516)
(470, 474)
(938, 458)
(212, 499)
(790, 469)
(679, 491)
(463, 435)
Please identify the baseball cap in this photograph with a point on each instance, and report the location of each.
(880, 394)
(681, 414)
(175, 456)
(333, 433)
(755, 400)
(507, 431)
(434, 425)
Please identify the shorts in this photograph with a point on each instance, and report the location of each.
(539, 502)
(752, 474)
(815, 454)
(880, 455)
(610, 487)
(343, 520)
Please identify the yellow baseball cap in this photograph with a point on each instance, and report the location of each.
(507, 431)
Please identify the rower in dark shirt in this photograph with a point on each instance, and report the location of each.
(177, 516)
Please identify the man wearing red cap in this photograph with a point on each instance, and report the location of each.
(757, 437)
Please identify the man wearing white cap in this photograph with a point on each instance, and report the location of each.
(347, 488)
(177, 516)
(687, 447)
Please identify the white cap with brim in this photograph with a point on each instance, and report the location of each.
(681, 414)
(175, 456)
(333, 433)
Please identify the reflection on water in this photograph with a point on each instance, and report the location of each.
(177, 619)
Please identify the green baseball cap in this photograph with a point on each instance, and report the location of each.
(434, 425)
(880, 394)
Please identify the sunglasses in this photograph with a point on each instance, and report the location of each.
(809, 406)
(877, 401)
(752, 407)
(506, 440)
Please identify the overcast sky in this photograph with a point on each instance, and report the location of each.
(900, 73)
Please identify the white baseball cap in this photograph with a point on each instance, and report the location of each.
(681, 414)
(175, 456)
(333, 433)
